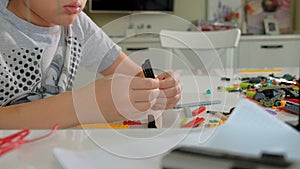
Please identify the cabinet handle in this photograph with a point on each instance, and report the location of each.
(136, 49)
(271, 46)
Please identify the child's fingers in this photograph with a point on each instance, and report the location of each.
(167, 80)
(170, 92)
(166, 103)
(144, 95)
(173, 101)
(144, 83)
(144, 106)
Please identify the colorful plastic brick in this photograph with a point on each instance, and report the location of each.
(198, 111)
(194, 123)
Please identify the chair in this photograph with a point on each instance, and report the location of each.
(215, 49)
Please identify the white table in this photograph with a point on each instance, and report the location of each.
(40, 154)
(102, 148)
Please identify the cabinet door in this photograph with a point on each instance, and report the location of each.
(268, 54)
(139, 51)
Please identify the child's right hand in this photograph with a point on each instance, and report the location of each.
(131, 96)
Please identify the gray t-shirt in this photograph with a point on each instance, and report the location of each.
(38, 62)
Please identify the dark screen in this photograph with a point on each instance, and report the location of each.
(132, 5)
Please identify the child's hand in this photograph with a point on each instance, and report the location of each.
(170, 91)
(131, 96)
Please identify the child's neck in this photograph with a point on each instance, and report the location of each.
(13, 7)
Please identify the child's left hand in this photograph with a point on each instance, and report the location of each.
(170, 91)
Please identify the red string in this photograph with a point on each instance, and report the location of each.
(15, 140)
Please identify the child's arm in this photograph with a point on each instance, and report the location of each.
(43, 113)
(124, 65)
(84, 105)
(98, 102)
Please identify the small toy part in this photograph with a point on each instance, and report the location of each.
(285, 76)
(275, 92)
(198, 110)
(270, 82)
(187, 112)
(280, 81)
(230, 111)
(221, 88)
(104, 125)
(237, 90)
(249, 93)
(194, 123)
(225, 78)
(148, 73)
(253, 82)
(221, 116)
(208, 91)
(218, 114)
(147, 69)
(279, 103)
(195, 104)
(215, 123)
(292, 108)
(184, 121)
(16, 140)
(211, 125)
(151, 121)
(132, 122)
(271, 112)
(231, 88)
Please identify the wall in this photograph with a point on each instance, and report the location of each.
(297, 16)
(187, 9)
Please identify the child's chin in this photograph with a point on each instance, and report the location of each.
(67, 22)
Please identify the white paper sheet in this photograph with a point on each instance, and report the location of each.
(144, 153)
(251, 130)
(101, 159)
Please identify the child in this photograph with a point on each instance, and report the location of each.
(42, 44)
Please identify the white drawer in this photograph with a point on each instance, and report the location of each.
(130, 48)
(267, 53)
